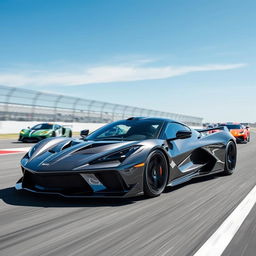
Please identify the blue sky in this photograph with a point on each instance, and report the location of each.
(195, 57)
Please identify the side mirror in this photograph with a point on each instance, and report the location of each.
(28, 127)
(84, 133)
(183, 134)
(247, 127)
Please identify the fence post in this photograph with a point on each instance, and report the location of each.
(89, 108)
(34, 104)
(76, 100)
(56, 106)
(8, 96)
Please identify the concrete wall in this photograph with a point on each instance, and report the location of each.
(15, 126)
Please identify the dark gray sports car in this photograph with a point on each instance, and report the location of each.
(127, 158)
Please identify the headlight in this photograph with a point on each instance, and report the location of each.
(117, 156)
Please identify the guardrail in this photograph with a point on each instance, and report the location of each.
(28, 105)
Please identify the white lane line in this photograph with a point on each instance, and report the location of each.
(218, 242)
(16, 149)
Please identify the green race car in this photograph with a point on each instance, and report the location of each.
(42, 131)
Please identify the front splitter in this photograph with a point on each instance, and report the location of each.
(131, 193)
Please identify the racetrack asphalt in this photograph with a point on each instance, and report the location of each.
(176, 223)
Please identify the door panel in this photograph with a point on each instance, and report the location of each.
(180, 151)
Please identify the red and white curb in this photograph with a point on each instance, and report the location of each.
(8, 151)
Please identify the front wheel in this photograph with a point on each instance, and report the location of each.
(230, 158)
(155, 174)
(20, 138)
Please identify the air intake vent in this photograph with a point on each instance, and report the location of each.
(92, 148)
(68, 145)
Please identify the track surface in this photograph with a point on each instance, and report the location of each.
(176, 223)
(4, 143)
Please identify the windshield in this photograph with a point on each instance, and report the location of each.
(233, 126)
(128, 130)
(42, 127)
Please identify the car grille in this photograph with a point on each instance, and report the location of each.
(72, 183)
(63, 183)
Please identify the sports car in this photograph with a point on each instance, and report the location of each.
(126, 158)
(240, 132)
(42, 131)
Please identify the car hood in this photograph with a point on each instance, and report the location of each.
(32, 132)
(61, 154)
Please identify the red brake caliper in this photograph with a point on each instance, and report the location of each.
(161, 171)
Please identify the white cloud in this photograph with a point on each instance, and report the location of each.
(105, 74)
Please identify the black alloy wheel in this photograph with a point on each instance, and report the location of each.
(230, 159)
(156, 174)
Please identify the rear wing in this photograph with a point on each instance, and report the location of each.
(224, 128)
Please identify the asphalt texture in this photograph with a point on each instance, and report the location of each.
(176, 223)
(6, 144)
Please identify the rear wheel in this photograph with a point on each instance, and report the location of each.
(230, 158)
(156, 174)
(248, 138)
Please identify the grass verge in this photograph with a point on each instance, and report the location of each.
(9, 136)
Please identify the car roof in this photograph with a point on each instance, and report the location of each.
(45, 123)
(150, 118)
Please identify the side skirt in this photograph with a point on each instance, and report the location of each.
(189, 177)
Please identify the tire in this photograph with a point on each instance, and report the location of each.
(20, 138)
(248, 138)
(155, 174)
(70, 134)
(53, 134)
(230, 158)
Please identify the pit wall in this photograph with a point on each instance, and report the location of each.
(7, 127)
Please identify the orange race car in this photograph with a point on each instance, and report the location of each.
(239, 131)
